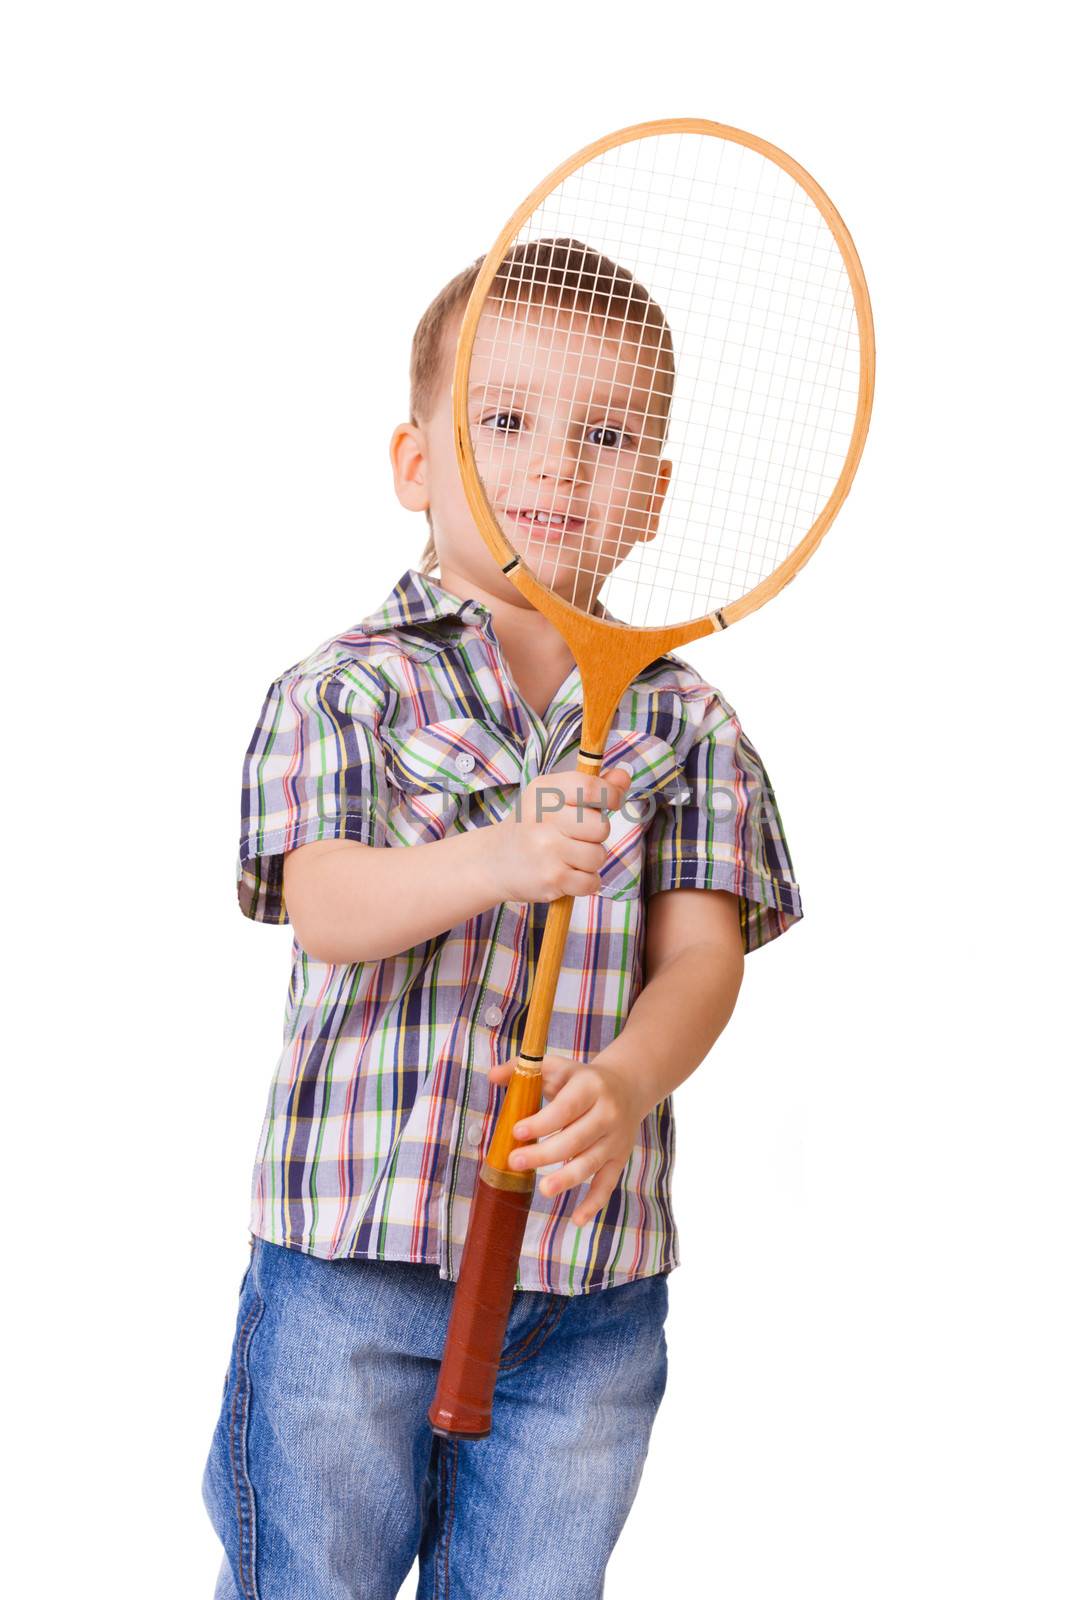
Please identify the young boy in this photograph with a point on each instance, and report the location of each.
(422, 726)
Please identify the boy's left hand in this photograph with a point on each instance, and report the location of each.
(599, 1108)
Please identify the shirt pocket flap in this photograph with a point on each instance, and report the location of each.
(652, 762)
(656, 780)
(456, 755)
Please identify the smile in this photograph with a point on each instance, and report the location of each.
(558, 521)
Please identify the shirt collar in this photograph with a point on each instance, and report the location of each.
(417, 599)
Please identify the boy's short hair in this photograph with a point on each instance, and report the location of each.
(562, 272)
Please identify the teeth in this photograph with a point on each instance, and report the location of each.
(543, 516)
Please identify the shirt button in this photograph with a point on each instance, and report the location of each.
(492, 1016)
(474, 1133)
(465, 762)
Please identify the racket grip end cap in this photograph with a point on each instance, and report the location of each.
(447, 1425)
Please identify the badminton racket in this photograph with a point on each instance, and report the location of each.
(661, 391)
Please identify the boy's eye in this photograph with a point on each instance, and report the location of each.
(606, 438)
(505, 421)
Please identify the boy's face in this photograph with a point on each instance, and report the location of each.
(567, 430)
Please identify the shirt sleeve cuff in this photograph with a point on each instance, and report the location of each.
(769, 905)
(260, 859)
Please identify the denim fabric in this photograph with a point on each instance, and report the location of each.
(324, 1481)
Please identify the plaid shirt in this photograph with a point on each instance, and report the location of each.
(406, 729)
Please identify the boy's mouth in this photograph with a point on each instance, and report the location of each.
(554, 522)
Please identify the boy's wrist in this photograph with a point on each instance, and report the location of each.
(627, 1059)
(489, 863)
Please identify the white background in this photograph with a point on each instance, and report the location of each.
(222, 223)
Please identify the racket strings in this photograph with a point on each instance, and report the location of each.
(678, 299)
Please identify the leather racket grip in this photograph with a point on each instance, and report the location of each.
(463, 1404)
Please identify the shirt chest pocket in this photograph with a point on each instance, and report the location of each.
(656, 781)
(460, 772)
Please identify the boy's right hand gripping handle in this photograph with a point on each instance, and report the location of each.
(463, 1404)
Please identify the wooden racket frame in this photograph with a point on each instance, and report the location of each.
(610, 655)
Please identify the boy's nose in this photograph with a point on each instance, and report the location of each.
(556, 459)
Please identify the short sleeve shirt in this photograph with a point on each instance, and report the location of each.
(401, 731)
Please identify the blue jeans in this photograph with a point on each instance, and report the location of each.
(324, 1481)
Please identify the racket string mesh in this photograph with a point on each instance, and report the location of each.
(666, 375)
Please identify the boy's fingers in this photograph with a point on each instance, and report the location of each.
(569, 1103)
(599, 1192)
(582, 855)
(555, 1071)
(594, 788)
(569, 1143)
(563, 1146)
(575, 1171)
(614, 785)
(606, 792)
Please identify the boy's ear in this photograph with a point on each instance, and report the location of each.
(408, 455)
(663, 478)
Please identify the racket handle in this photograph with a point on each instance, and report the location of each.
(463, 1405)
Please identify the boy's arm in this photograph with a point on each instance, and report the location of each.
(693, 966)
(693, 972)
(355, 902)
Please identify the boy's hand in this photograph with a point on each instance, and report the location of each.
(548, 851)
(599, 1109)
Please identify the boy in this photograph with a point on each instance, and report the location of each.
(422, 726)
